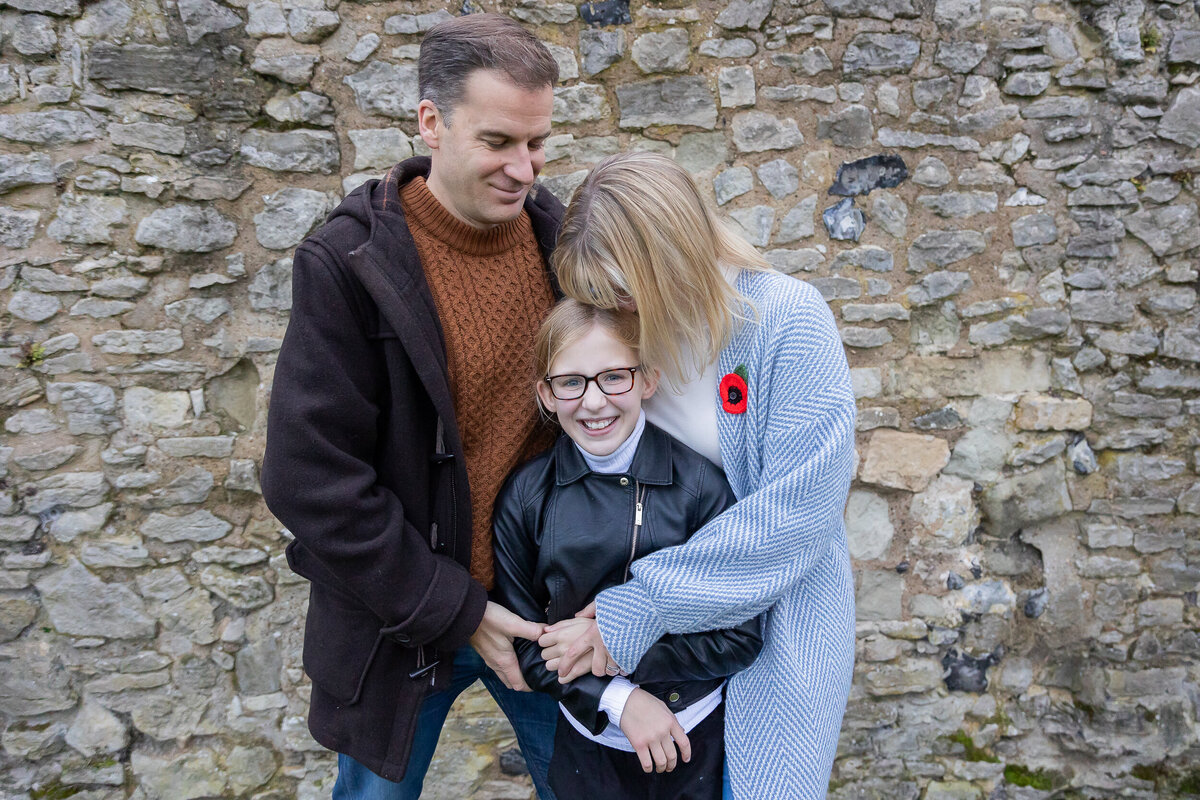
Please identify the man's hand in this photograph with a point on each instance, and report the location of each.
(654, 732)
(574, 647)
(493, 641)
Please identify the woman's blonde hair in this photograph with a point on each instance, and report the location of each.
(569, 321)
(637, 229)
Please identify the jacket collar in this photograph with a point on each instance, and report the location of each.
(653, 460)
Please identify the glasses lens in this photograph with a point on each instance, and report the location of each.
(568, 387)
(615, 381)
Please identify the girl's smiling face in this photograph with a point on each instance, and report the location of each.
(597, 422)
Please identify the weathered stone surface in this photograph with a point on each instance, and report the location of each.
(667, 101)
(198, 526)
(903, 460)
(1166, 229)
(942, 248)
(87, 219)
(53, 128)
(294, 151)
(880, 53)
(756, 131)
(1181, 123)
(202, 17)
(579, 103)
(869, 530)
(742, 14)
(186, 776)
(661, 52)
(271, 289)
(289, 215)
(81, 604)
(736, 87)
(1044, 413)
(96, 730)
(137, 342)
(389, 90)
(1026, 497)
(307, 108)
(850, 127)
(187, 229)
(286, 60)
(960, 204)
(165, 70)
(243, 591)
(25, 170)
(732, 183)
(888, 10)
(600, 49)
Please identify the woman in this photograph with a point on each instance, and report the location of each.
(756, 380)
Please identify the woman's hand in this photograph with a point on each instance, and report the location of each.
(573, 647)
(654, 732)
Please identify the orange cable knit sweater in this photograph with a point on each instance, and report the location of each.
(491, 293)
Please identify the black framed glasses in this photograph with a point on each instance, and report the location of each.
(573, 387)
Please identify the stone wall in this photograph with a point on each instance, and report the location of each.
(997, 198)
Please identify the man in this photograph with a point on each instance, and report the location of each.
(400, 402)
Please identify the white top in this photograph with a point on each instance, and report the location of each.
(689, 412)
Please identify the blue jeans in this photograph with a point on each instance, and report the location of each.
(533, 715)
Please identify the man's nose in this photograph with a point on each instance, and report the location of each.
(520, 167)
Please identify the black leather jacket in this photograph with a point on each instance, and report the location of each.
(565, 533)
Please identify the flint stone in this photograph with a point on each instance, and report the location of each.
(960, 204)
(662, 52)
(33, 306)
(48, 127)
(735, 85)
(265, 19)
(1181, 343)
(867, 174)
(886, 9)
(301, 107)
(202, 17)
(96, 730)
(164, 70)
(294, 151)
(1027, 84)
(80, 604)
(732, 183)
(414, 23)
(379, 148)
(188, 776)
(960, 57)
(87, 219)
(1017, 501)
(1100, 306)
(187, 229)
(881, 53)
(1166, 229)
(271, 289)
(780, 178)
(539, 12)
(938, 286)
(288, 216)
(744, 14)
(311, 25)
(942, 248)
(1181, 123)
(850, 127)
(667, 101)
(579, 103)
(243, 591)
(198, 526)
(25, 170)
(903, 460)
(291, 62)
(1034, 229)
(931, 172)
(844, 221)
(889, 137)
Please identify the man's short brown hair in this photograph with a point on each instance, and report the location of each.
(453, 49)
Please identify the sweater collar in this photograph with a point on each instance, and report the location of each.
(652, 462)
(427, 213)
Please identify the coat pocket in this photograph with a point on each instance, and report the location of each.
(341, 641)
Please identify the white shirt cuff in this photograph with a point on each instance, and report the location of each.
(615, 695)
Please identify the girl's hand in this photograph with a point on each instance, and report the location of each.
(654, 732)
(572, 647)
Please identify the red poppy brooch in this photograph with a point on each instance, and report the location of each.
(734, 392)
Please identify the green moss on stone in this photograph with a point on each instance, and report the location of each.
(970, 751)
(1017, 775)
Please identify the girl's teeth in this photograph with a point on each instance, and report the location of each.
(597, 425)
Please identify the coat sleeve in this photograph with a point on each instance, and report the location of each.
(739, 564)
(516, 546)
(319, 478)
(707, 654)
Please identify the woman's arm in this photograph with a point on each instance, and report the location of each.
(739, 564)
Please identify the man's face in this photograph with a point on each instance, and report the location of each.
(485, 160)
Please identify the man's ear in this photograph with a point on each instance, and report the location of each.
(547, 398)
(430, 123)
(650, 379)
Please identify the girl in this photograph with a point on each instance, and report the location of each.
(758, 382)
(570, 523)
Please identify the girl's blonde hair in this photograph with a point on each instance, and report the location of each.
(569, 321)
(638, 229)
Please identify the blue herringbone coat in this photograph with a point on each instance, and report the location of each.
(780, 549)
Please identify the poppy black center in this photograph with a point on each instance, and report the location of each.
(735, 395)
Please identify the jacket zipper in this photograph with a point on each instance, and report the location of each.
(639, 495)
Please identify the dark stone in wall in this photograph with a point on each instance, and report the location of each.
(965, 673)
(606, 12)
(164, 70)
(875, 172)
